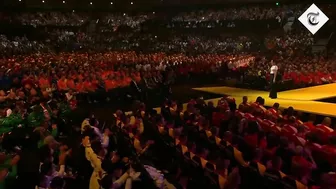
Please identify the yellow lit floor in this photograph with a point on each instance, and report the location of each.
(300, 99)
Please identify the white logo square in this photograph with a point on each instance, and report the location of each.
(313, 19)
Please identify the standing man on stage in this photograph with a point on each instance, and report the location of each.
(273, 80)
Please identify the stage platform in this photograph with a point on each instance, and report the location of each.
(301, 99)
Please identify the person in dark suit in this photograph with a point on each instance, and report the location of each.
(146, 86)
(136, 91)
(83, 166)
(28, 165)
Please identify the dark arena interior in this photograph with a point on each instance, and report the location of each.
(168, 94)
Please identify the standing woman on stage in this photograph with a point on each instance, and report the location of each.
(273, 80)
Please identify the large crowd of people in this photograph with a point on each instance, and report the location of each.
(247, 13)
(248, 146)
(74, 18)
(65, 40)
(92, 72)
(303, 71)
(204, 145)
(46, 18)
(76, 31)
(68, 58)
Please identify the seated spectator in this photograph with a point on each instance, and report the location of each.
(302, 164)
